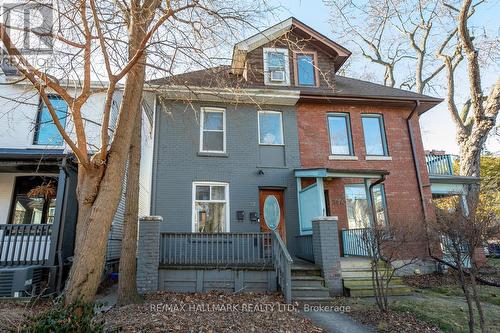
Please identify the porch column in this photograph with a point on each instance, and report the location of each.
(326, 251)
(148, 254)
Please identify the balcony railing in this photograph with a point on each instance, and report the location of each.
(439, 164)
(24, 244)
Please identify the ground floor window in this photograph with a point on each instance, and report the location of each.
(357, 205)
(34, 200)
(210, 207)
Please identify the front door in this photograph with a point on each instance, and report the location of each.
(272, 212)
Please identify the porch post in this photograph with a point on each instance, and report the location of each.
(327, 251)
(148, 256)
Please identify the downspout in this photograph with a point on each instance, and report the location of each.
(417, 171)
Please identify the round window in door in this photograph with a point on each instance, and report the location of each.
(272, 212)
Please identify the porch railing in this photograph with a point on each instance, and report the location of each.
(439, 164)
(354, 242)
(305, 247)
(283, 265)
(24, 244)
(216, 249)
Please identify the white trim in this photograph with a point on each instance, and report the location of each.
(378, 158)
(267, 74)
(281, 124)
(202, 115)
(226, 201)
(343, 157)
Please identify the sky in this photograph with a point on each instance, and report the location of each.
(438, 130)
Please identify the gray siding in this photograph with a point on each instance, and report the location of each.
(177, 164)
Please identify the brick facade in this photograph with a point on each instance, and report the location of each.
(401, 187)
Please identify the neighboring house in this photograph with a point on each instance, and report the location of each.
(38, 177)
(276, 140)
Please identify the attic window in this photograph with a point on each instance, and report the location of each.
(305, 69)
(276, 67)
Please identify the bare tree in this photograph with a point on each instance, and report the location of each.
(460, 232)
(114, 42)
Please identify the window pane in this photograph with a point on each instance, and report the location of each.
(305, 69)
(202, 192)
(357, 206)
(213, 141)
(373, 136)
(47, 133)
(378, 198)
(270, 128)
(213, 121)
(218, 193)
(339, 139)
(210, 217)
(276, 59)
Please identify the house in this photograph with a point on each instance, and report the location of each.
(254, 162)
(38, 177)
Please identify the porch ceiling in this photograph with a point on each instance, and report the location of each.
(449, 179)
(336, 173)
(29, 160)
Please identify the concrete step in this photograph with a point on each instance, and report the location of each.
(309, 292)
(305, 272)
(353, 282)
(307, 281)
(313, 300)
(396, 290)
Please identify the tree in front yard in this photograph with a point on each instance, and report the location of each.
(114, 42)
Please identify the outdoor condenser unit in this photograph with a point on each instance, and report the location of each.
(23, 281)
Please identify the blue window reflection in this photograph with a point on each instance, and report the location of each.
(305, 70)
(373, 130)
(46, 132)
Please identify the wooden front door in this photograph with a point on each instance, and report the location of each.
(271, 205)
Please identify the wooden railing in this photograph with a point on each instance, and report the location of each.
(305, 247)
(216, 249)
(283, 264)
(439, 164)
(24, 244)
(354, 242)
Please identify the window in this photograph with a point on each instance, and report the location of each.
(46, 132)
(340, 134)
(210, 207)
(276, 67)
(305, 69)
(34, 200)
(373, 129)
(270, 128)
(213, 130)
(357, 205)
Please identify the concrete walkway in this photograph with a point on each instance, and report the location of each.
(336, 322)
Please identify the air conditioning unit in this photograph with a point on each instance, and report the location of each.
(277, 75)
(23, 281)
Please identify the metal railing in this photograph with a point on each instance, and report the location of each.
(354, 242)
(439, 164)
(24, 244)
(283, 264)
(216, 249)
(305, 247)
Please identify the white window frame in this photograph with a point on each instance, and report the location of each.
(202, 120)
(267, 74)
(281, 123)
(193, 204)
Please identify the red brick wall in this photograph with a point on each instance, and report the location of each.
(401, 187)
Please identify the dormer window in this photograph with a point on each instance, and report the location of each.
(305, 69)
(276, 67)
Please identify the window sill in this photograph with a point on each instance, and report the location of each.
(378, 158)
(343, 158)
(206, 154)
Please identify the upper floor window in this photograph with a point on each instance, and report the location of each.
(213, 130)
(270, 128)
(46, 132)
(340, 134)
(374, 133)
(276, 67)
(305, 70)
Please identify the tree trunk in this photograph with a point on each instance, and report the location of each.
(475, 293)
(127, 287)
(93, 225)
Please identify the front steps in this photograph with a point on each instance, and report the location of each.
(357, 279)
(307, 284)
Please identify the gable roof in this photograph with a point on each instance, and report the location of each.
(242, 48)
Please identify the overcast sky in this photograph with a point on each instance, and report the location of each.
(437, 128)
